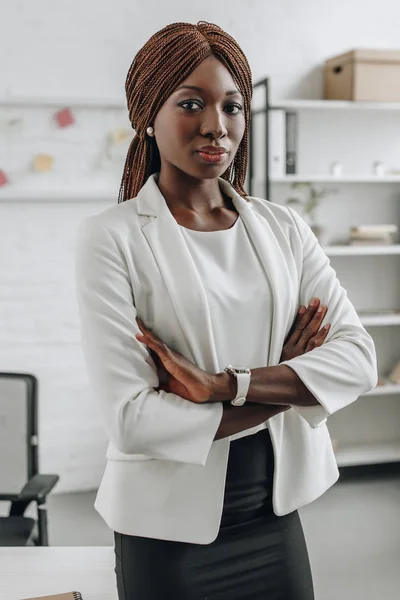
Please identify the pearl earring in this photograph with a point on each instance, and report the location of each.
(150, 131)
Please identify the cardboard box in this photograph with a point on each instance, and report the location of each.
(364, 75)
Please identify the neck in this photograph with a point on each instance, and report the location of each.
(184, 193)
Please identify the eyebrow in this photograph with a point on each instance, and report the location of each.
(199, 89)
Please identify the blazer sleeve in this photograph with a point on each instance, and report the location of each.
(345, 366)
(122, 374)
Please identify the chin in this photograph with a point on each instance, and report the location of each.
(209, 171)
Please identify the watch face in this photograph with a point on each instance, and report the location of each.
(239, 368)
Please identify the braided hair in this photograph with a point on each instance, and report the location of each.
(158, 68)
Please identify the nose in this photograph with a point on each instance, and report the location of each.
(213, 124)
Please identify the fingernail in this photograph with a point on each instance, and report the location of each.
(326, 327)
(302, 309)
(321, 308)
(314, 302)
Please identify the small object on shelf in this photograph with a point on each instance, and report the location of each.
(394, 376)
(375, 229)
(3, 178)
(67, 596)
(64, 117)
(42, 163)
(277, 144)
(372, 234)
(384, 240)
(363, 74)
(379, 168)
(309, 202)
(291, 143)
(380, 311)
(337, 169)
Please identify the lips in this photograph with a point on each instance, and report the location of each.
(212, 154)
(209, 157)
(211, 150)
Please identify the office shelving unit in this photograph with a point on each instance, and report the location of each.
(368, 431)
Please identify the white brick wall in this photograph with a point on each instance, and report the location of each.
(39, 334)
(84, 49)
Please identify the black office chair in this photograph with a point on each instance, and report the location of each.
(20, 480)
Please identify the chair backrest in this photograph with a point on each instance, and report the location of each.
(18, 430)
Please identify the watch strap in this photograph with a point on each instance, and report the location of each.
(242, 375)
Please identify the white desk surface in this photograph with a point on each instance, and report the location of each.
(28, 572)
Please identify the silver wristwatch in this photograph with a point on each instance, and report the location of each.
(242, 375)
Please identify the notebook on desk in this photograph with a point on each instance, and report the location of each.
(68, 596)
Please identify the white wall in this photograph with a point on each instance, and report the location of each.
(86, 47)
(70, 48)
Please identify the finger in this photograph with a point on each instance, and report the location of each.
(147, 333)
(317, 318)
(141, 325)
(165, 355)
(296, 322)
(152, 342)
(304, 322)
(299, 317)
(322, 333)
(147, 337)
(318, 339)
(314, 325)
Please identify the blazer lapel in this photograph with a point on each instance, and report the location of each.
(183, 281)
(180, 275)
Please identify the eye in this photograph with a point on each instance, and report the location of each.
(238, 106)
(190, 102)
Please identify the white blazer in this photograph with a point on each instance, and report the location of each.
(165, 476)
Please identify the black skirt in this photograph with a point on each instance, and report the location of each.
(256, 555)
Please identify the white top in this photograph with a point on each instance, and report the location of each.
(238, 296)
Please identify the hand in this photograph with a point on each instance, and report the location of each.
(180, 376)
(304, 334)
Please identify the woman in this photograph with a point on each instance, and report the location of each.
(185, 277)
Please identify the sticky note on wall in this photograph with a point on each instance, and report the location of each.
(43, 163)
(117, 136)
(3, 178)
(64, 117)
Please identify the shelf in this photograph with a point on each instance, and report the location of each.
(367, 449)
(376, 319)
(92, 191)
(333, 105)
(384, 390)
(117, 102)
(328, 178)
(347, 250)
(368, 454)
